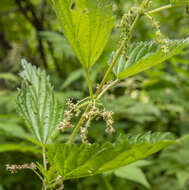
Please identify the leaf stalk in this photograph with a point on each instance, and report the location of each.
(89, 83)
(45, 167)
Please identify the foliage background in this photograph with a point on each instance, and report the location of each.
(156, 100)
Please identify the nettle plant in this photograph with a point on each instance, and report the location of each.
(87, 25)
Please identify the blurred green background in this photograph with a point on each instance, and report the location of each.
(155, 100)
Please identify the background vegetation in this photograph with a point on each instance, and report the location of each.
(156, 100)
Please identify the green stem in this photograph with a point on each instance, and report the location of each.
(82, 101)
(84, 104)
(110, 68)
(79, 124)
(108, 87)
(160, 9)
(82, 119)
(89, 84)
(140, 13)
(40, 177)
(44, 158)
(54, 184)
(45, 167)
(145, 4)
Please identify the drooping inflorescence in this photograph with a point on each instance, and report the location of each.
(15, 168)
(66, 123)
(158, 35)
(125, 28)
(96, 111)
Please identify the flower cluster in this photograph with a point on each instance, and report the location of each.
(107, 116)
(83, 135)
(16, 168)
(66, 123)
(159, 36)
(125, 26)
(96, 113)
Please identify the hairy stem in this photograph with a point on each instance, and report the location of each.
(82, 101)
(140, 13)
(160, 9)
(89, 84)
(79, 124)
(107, 88)
(82, 119)
(84, 104)
(110, 68)
(45, 167)
(44, 158)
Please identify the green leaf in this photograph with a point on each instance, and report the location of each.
(8, 76)
(11, 128)
(59, 43)
(134, 173)
(87, 26)
(72, 161)
(19, 148)
(36, 103)
(75, 75)
(144, 55)
(179, 2)
(132, 108)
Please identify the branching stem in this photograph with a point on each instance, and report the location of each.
(107, 88)
(84, 104)
(100, 89)
(55, 183)
(160, 9)
(79, 102)
(140, 13)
